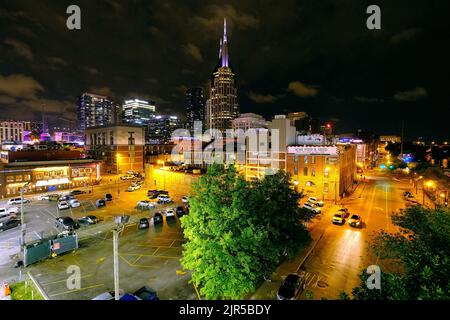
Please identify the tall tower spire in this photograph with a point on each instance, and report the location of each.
(225, 30)
(224, 47)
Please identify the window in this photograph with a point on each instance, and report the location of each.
(313, 172)
(111, 137)
(131, 138)
(19, 178)
(327, 173)
(9, 179)
(305, 171)
(305, 159)
(295, 164)
(313, 159)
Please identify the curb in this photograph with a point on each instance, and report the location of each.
(310, 251)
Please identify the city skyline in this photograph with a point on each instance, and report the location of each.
(344, 73)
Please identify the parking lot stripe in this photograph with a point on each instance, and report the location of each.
(76, 290)
(64, 280)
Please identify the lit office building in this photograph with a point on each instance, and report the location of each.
(195, 107)
(222, 106)
(95, 110)
(160, 129)
(138, 111)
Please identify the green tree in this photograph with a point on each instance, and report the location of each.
(422, 250)
(236, 231)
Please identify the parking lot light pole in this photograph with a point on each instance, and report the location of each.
(116, 264)
(22, 227)
(22, 220)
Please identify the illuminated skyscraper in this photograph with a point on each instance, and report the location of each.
(195, 107)
(94, 110)
(222, 106)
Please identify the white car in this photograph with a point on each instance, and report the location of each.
(13, 210)
(164, 198)
(316, 201)
(146, 204)
(16, 201)
(170, 212)
(133, 188)
(74, 203)
(9, 211)
(63, 205)
(127, 177)
(184, 199)
(311, 207)
(44, 197)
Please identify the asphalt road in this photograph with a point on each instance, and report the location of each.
(342, 252)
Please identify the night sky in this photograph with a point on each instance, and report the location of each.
(314, 56)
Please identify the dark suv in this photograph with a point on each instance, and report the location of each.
(66, 223)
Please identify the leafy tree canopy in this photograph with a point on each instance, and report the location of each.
(237, 231)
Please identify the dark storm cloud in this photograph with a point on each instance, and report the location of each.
(313, 56)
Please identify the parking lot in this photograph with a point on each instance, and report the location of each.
(147, 257)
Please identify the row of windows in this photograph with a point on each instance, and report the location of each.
(312, 172)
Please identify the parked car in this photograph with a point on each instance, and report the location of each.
(312, 207)
(66, 223)
(54, 197)
(74, 203)
(355, 221)
(88, 220)
(151, 192)
(63, 205)
(16, 201)
(170, 213)
(100, 203)
(9, 211)
(145, 293)
(291, 287)
(133, 188)
(146, 204)
(180, 211)
(344, 211)
(108, 197)
(109, 295)
(163, 198)
(12, 223)
(44, 197)
(143, 224)
(316, 201)
(66, 197)
(339, 218)
(184, 199)
(127, 177)
(157, 218)
(77, 192)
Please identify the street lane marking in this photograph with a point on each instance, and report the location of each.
(63, 280)
(77, 290)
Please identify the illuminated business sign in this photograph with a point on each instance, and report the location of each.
(314, 150)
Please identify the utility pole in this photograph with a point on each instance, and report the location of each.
(22, 224)
(116, 264)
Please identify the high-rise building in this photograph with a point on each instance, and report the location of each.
(195, 107)
(95, 110)
(222, 106)
(137, 111)
(160, 129)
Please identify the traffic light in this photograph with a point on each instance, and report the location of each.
(391, 167)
